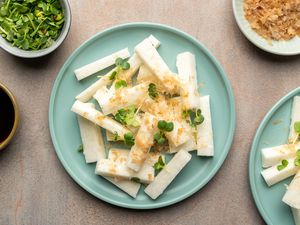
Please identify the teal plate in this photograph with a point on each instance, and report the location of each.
(272, 131)
(65, 132)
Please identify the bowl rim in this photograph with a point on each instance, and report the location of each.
(6, 46)
(253, 41)
(16, 119)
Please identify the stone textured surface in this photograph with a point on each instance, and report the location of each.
(34, 187)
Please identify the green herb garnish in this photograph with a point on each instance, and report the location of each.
(116, 136)
(135, 179)
(195, 116)
(121, 64)
(80, 148)
(284, 164)
(297, 127)
(120, 83)
(163, 126)
(159, 165)
(297, 159)
(159, 137)
(129, 139)
(127, 116)
(152, 91)
(31, 24)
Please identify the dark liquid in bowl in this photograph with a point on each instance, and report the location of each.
(7, 115)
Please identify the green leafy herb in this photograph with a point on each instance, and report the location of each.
(80, 148)
(159, 137)
(120, 83)
(31, 24)
(297, 159)
(165, 126)
(159, 165)
(129, 139)
(122, 63)
(135, 179)
(195, 116)
(152, 91)
(297, 127)
(284, 164)
(113, 75)
(116, 136)
(127, 116)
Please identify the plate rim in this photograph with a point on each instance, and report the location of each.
(253, 41)
(254, 150)
(225, 80)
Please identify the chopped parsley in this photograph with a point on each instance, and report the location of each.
(284, 164)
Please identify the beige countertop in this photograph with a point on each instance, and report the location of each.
(35, 188)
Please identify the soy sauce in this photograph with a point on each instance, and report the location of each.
(7, 115)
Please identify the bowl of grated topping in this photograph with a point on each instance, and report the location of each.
(33, 28)
(273, 26)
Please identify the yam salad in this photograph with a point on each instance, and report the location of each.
(283, 161)
(149, 108)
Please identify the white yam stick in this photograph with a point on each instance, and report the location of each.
(296, 214)
(178, 135)
(295, 116)
(272, 175)
(134, 62)
(292, 195)
(205, 140)
(274, 155)
(122, 98)
(167, 175)
(143, 142)
(130, 187)
(156, 64)
(100, 64)
(115, 166)
(187, 74)
(98, 118)
(92, 141)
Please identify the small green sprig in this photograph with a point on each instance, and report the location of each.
(127, 116)
(129, 139)
(136, 179)
(159, 165)
(297, 130)
(80, 148)
(31, 24)
(120, 83)
(116, 136)
(121, 64)
(152, 91)
(284, 164)
(195, 116)
(163, 126)
(297, 159)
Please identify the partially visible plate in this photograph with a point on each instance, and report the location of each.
(291, 47)
(65, 133)
(273, 130)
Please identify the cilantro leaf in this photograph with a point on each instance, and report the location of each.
(120, 83)
(127, 116)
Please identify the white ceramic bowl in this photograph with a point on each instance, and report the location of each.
(38, 53)
(291, 47)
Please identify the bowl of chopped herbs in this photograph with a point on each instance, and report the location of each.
(33, 28)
